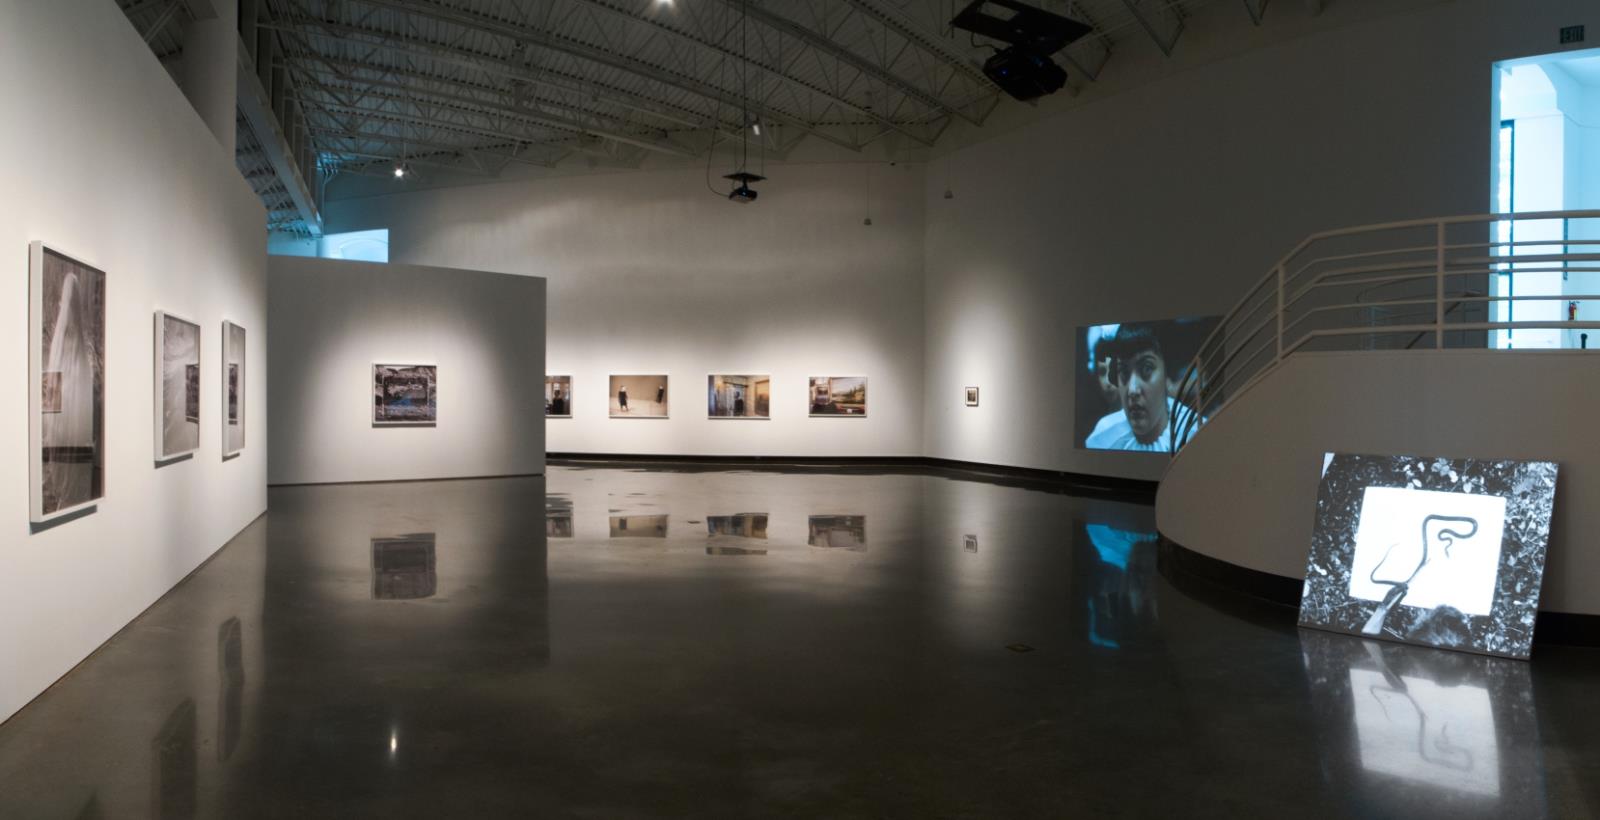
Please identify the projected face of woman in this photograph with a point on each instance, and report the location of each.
(1142, 387)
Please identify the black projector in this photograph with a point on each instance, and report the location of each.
(743, 193)
(1024, 75)
(1024, 69)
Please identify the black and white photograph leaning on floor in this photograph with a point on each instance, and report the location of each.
(1433, 551)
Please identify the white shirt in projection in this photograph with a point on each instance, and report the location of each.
(1456, 570)
(1112, 432)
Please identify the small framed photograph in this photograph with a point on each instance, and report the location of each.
(972, 397)
(558, 397)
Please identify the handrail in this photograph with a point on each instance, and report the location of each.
(1445, 281)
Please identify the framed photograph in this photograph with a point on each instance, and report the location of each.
(638, 397)
(972, 397)
(739, 397)
(66, 383)
(839, 396)
(177, 386)
(558, 397)
(405, 394)
(1434, 551)
(233, 383)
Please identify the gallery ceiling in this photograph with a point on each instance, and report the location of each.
(476, 86)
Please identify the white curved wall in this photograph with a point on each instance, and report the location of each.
(1245, 490)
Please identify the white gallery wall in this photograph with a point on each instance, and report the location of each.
(105, 159)
(1169, 197)
(650, 273)
(333, 320)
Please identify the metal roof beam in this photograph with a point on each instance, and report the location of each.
(486, 108)
(416, 47)
(654, 72)
(1257, 10)
(823, 43)
(568, 46)
(1165, 44)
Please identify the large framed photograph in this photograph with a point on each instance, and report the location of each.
(1435, 551)
(846, 532)
(66, 383)
(405, 394)
(233, 386)
(1127, 381)
(638, 397)
(558, 397)
(739, 397)
(177, 386)
(835, 396)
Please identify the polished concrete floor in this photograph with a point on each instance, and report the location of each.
(660, 643)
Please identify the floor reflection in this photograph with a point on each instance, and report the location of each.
(639, 526)
(1430, 726)
(1120, 599)
(557, 516)
(403, 567)
(743, 525)
(548, 674)
(846, 532)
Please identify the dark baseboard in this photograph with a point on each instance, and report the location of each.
(1025, 477)
(1217, 582)
(404, 480)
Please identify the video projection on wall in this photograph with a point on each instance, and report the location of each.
(1128, 376)
(1433, 551)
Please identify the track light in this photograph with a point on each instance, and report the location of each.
(399, 171)
(756, 127)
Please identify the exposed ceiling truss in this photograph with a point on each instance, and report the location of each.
(478, 86)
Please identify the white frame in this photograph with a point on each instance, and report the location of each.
(610, 393)
(36, 513)
(160, 393)
(865, 379)
(568, 414)
(372, 410)
(973, 401)
(244, 379)
(770, 401)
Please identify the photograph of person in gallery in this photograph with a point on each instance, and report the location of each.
(1127, 397)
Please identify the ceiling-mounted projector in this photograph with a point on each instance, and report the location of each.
(1024, 69)
(743, 193)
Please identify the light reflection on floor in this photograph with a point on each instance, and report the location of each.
(710, 643)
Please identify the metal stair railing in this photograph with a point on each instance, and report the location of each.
(1390, 287)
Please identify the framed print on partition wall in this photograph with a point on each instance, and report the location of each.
(1434, 551)
(739, 397)
(839, 396)
(177, 386)
(66, 383)
(405, 394)
(638, 397)
(558, 397)
(972, 397)
(233, 385)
